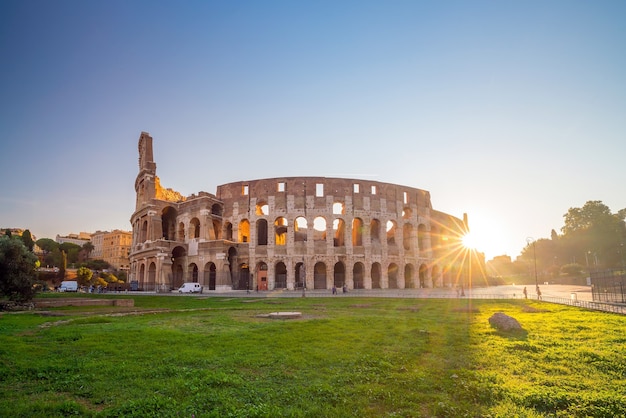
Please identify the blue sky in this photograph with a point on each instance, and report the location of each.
(512, 112)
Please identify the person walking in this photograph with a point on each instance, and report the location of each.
(538, 293)
(525, 293)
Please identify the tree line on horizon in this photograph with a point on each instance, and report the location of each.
(592, 238)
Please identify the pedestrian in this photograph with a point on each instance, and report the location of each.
(525, 293)
(345, 289)
(538, 293)
(334, 290)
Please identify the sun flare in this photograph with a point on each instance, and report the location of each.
(469, 241)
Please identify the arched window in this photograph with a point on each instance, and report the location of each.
(261, 232)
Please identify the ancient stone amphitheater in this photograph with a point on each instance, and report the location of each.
(290, 233)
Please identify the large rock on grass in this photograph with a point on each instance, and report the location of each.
(503, 322)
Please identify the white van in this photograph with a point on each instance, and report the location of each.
(190, 288)
(68, 286)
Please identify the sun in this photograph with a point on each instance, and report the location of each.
(469, 241)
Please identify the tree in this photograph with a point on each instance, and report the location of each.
(17, 270)
(88, 247)
(47, 245)
(84, 276)
(27, 239)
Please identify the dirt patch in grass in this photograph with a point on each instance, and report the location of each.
(532, 309)
(410, 308)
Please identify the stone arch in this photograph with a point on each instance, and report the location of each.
(144, 231)
(319, 276)
(280, 276)
(300, 227)
(357, 232)
(280, 231)
(244, 231)
(194, 226)
(406, 213)
(339, 208)
(193, 272)
(339, 236)
(423, 275)
(142, 275)
(376, 276)
(262, 208)
(339, 274)
(261, 275)
(168, 222)
(210, 275)
(409, 280)
(151, 282)
(319, 229)
(358, 275)
(178, 258)
(261, 231)
(215, 229)
(392, 276)
(435, 239)
(375, 231)
(229, 231)
(391, 233)
(216, 209)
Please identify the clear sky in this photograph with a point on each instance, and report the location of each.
(509, 111)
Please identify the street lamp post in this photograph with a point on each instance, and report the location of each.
(531, 240)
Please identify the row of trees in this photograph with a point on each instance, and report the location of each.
(592, 237)
(20, 277)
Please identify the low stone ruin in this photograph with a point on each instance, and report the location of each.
(503, 322)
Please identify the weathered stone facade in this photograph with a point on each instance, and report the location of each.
(286, 233)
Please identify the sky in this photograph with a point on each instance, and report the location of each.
(509, 111)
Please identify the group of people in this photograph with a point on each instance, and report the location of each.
(537, 290)
(344, 289)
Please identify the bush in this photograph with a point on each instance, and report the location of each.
(18, 273)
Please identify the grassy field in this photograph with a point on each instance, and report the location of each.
(346, 357)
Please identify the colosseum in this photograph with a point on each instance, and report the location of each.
(291, 233)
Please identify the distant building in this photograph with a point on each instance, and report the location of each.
(78, 239)
(97, 240)
(116, 247)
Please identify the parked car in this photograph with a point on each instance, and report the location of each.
(190, 288)
(68, 286)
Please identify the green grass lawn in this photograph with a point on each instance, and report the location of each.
(346, 357)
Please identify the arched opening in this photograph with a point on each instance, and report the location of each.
(262, 208)
(375, 231)
(300, 229)
(392, 275)
(406, 213)
(357, 232)
(216, 209)
(376, 270)
(261, 232)
(407, 232)
(193, 273)
(280, 276)
(229, 231)
(339, 208)
(244, 231)
(423, 275)
(339, 229)
(144, 231)
(280, 231)
(210, 275)
(391, 233)
(339, 275)
(151, 282)
(435, 242)
(178, 259)
(319, 276)
(358, 275)
(409, 280)
(168, 222)
(195, 227)
(261, 276)
(319, 229)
